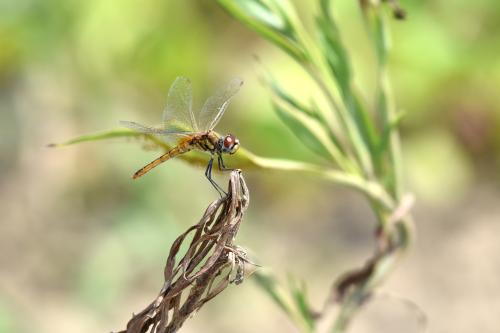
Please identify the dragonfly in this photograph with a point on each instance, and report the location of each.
(192, 131)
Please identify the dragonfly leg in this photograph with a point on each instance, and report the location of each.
(208, 174)
(220, 163)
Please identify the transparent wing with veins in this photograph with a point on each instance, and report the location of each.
(178, 114)
(178, 117)
(154, 130)
(214, 107)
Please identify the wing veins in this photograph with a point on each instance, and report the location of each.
(216, 105)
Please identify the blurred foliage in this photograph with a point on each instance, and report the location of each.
(125, 249)
(69, 67)
(292, 300)
(361, 141)
(8, 321)
(140, 45)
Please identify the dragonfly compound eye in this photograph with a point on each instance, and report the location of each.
(231, 144)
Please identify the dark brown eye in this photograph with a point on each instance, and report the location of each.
(229, 141)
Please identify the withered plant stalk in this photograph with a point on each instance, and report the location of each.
(211, 262)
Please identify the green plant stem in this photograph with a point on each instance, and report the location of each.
(394, 138)
(371, 189)
(246, 159)
(361, 152)
(377, 27)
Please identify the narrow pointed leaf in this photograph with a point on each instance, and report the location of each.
(243, 159)
(271, 287)
(337, 59)
(268, 23)
(300, 297)
(309, 131)
(99, 136)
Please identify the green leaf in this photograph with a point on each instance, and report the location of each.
(260, 12)
(300, 297)
(390, 127)
(269, 21)
(111, 134)
(337, 59)
(284, 96)
(271, 287)
(335, 54)
(281, 94)
(309, 131)
(389, 145)
(243, 159)
(381, 38)
(366, 124)
(294, 304)
(374, 23)
(194, 157)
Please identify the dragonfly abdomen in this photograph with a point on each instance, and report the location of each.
(165, 157)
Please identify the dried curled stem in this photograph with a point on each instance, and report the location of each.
(353, 288)
(209, 265)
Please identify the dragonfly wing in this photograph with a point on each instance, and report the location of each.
(214, 107)
(178, 114)
(154, 130)
(142, 128)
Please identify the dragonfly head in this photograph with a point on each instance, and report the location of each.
(229, 144)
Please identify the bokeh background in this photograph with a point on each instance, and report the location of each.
(82, 246)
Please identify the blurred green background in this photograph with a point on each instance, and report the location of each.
(82, 246)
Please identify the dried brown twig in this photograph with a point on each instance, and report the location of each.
(209, 265)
